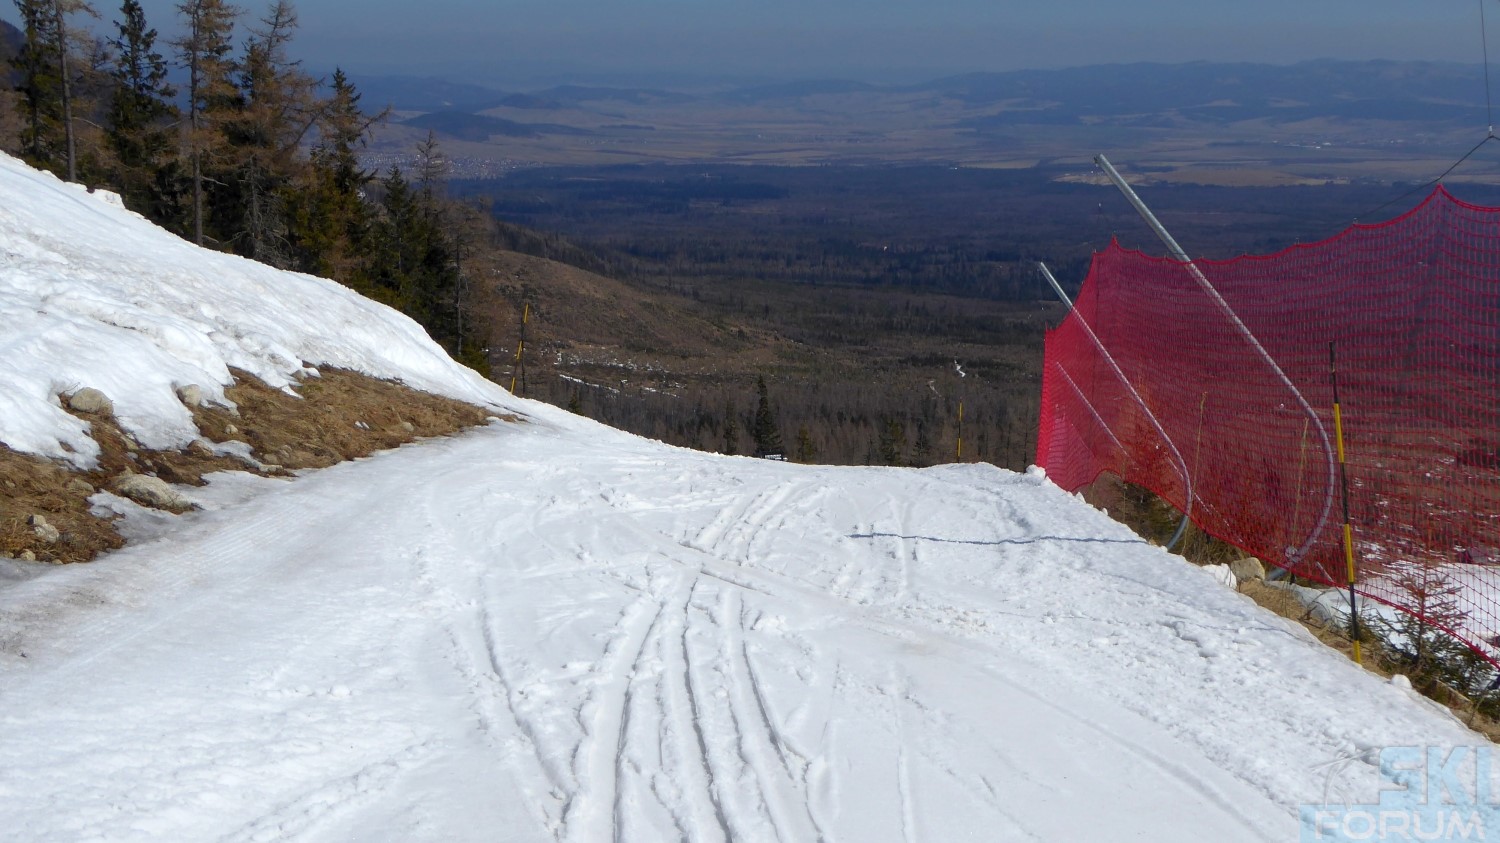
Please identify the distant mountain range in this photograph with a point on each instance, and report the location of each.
(1371, 90)
(480, 127)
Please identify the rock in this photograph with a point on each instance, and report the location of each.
(44, 531)
(191, 395)
(90, 400)
(150, 491)
(1248, 568)
(80, 487)
(230, 430)
(27, 556)
(200, 448)
(408, 427)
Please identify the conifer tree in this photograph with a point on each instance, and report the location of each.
(329, 219)
(892, 443)
(731, 429)
(806, 451)
(46, 67)
(38, 66)
(276, 109)
(204, 51)
(767, 434)
(140, 114)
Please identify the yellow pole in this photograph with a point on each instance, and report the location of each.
(520, 347)
(960, 430)
(1349, 570)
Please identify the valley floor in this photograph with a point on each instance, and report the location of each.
(551, 631)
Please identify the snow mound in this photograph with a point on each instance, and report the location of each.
(93, 295)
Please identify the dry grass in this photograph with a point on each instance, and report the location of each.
(341, 415)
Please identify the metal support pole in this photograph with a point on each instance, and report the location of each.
(1294, 554)
(518, 367)
(1349, 569)
(1187, 479)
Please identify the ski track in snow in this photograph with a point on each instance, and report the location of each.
(525, 633)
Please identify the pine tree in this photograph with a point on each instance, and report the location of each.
(731, 430)
(432, 168)
(767, 434)
(892, 443)
(806, 451)
(40, 84)
(922, 448)
(416, 270)
(330, 222)
(277, 107)
(140, 115)
(204, 51)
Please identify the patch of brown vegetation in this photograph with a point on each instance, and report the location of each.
(341, 415)
(33, 486)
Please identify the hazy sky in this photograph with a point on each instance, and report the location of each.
(511, 43)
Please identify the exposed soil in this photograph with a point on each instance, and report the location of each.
(341, 415)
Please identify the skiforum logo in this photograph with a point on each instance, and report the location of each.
(1426, 794)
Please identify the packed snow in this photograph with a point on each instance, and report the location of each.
(549, 630)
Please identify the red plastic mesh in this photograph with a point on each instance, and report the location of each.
(1413, 307)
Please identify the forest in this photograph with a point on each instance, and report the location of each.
(880, 283)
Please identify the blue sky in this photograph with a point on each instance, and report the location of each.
(515, 42)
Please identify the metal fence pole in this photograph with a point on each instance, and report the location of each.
(1294, 554)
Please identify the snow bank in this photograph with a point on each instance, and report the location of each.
(94, 295)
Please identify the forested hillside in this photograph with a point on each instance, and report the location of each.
(254, 155)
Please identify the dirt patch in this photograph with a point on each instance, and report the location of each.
(338, 416)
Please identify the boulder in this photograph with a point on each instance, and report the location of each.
(1248, 568)
(90, 400)
(80, 487)
(27, 556)
(150, 491)
(191, 395)
(44, 531)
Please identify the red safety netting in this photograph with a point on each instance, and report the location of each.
(1413, 306)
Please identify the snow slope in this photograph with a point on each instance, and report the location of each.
(554, 631)
(97, 296)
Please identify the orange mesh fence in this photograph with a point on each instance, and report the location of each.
(1176, 397)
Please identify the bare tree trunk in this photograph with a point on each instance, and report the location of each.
(194, 137)
(67, 89)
